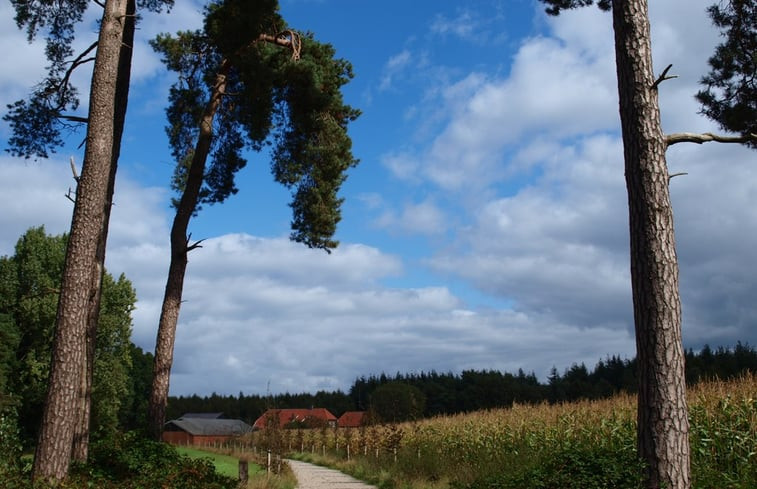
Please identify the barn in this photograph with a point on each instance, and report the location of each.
(352, 419)
(199, 430)
(297, 418)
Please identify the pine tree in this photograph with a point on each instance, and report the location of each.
(244, 80)
(662, 426)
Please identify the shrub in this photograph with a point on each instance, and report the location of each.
(10, 443)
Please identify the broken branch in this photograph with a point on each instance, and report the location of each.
(73, 169)
(664, 76)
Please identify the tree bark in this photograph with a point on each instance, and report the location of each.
(83, 426)
(169, 314)
(55, 442)
(663, 428)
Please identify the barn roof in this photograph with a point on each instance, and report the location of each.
(351, 419)
(210, 426)
(286, 416)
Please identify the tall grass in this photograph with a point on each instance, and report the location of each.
(577, 445)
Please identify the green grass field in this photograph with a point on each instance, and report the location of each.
(225, 464)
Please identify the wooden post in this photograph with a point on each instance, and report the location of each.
(269, 461)
(243, 472)
(348, 452)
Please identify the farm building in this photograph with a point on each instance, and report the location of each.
(203, 429)
(352, 419)
(297, 418)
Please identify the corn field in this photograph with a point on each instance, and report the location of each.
(582, 444)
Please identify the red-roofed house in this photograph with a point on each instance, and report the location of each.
(293, 418)
(352, 419)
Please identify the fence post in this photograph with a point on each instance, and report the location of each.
(243, 472)
(348, 452)
(269, 461)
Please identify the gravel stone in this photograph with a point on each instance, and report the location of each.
(311, 476)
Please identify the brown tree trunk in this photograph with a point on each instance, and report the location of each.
(82, 428)
(169, 314)
(663, 428)
(55, 442)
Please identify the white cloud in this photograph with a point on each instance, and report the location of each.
(394, 67)
(422, 218)
(463, 26)
(33, 195)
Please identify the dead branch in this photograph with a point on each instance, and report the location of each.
(664, 76)
(73, 118)
(690, 137)
(287, 38)
(194, 245)
(73, 169)
(676, 175)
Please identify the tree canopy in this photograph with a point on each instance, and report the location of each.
(29, 290)
(38, 122)
(729, 96)
(288, 99)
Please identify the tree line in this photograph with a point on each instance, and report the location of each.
(473, 390)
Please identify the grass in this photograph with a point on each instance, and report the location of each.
(224, 464)
(228, 464)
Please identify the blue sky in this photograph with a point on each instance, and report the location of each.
(485, 227)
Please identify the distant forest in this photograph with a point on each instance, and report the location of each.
(471, 390)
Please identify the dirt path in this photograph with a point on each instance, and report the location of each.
(311, 476)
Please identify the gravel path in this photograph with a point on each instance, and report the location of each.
(311, 476)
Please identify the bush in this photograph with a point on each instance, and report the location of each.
(10, 443)
(129, 461)
(132, 461)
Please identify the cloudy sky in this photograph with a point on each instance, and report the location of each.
(485, 227)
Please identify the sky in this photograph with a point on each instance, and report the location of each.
(486, 226)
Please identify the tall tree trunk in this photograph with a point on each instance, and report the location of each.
(169, 314)
(82, 428)
(663, 427)
(55, 442)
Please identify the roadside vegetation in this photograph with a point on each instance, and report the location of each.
(584, 444)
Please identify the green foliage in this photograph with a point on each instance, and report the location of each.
(724, 443)
(225, 20)
(582, 467)
(397, 401)
(37, 123)
(29, 290)
(133, 413)
(132, 461)
(10, 443)
(730, 93)
(29, 299)
(286, 97)
(113, 361)
(556, 6)
(129, 461)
